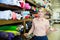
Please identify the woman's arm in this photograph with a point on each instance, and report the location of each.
(49, 28)
(32, 29)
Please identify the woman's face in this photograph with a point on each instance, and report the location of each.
(40, 13)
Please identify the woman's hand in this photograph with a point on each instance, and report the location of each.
(26, 34)
(53, 29)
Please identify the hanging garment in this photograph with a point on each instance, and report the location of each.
(29, 24)
(18, 37)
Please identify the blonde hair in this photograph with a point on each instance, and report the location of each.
(43, 9)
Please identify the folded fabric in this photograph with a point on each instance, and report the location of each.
(8, 27)
(15, 2)
(10, 2)
(21, 0)
(13, 15)
(3, 35)
(5, 14)
(18, 16)
(22, 4)
(10, 31)
(20, 27)
(6, 1)
(10, 36)
(25, 13)
(27, 6)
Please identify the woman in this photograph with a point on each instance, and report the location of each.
(40, 27)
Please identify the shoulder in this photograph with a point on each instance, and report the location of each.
(34, 19)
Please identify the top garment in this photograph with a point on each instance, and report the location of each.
(40, 26)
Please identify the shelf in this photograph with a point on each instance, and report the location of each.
(4, 22)
(28, 19)
(13, 7)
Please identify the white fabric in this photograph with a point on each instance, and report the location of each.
(5, 14)
(18, 16)
(10, 2)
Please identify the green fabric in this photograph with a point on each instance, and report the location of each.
(36, 8)
(10, 27)
(14, 32)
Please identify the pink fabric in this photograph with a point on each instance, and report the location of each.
(27, 6)
(13, 15)
(22, 4)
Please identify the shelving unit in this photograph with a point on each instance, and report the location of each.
(10, 7)
(14, 8)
